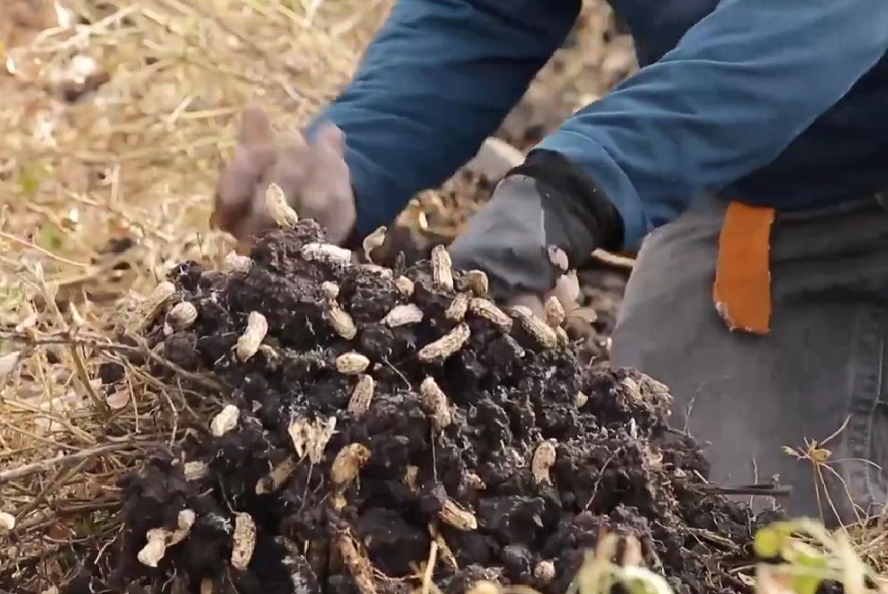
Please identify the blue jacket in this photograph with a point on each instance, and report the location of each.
(777, 102)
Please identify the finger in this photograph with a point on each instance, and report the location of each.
(255, 127)
(567, 290)
(330, 140)
(290, 173)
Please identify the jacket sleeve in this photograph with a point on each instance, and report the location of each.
(439, 77)
(739, 87)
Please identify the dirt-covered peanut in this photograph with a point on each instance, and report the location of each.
(243, 541)
(442, 268)
(348, 463)
(457, 516)
(544, 571)
(535, 327)
(279, 210)
(159, 539)
(373, 241)
(352, 363)
(477, 282)
(358, 565)
(326, 253)
(554, 312)
(341, 320)
(456, 311)
(248, 343)
(154, 304)
(403, 315)
(542, 461)
(362, 396)
(329, 290)
(405, 286)
(195, 470)
(435, 402)
(449, 344)
(278, 476)
(377, 270)
(483, 308)
(225, 420)
(182, 316)
(236, 263)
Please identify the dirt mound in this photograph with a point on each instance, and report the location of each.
(370, 412)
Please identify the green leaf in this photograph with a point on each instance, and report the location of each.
(769, 541)
(49, 237)
(640, 580)
(29, 180)
(806, 584)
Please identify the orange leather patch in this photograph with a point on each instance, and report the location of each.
(742, 288)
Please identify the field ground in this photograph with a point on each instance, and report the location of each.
(115, 120)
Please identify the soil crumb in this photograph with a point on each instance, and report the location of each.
(370, 411)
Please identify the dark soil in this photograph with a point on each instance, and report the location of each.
(618, 469)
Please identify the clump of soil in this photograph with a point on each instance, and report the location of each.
(501, 446)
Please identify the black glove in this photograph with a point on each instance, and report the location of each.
(547, 201)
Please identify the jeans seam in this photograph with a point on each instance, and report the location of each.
(866, 390)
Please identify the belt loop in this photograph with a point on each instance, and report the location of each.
(742, 289)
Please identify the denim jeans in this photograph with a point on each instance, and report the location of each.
(817, 374)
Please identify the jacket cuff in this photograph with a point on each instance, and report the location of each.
(581, 197)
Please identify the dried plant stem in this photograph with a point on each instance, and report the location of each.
(43, 465)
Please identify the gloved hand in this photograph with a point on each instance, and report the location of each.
(540, 212)
(314, 177)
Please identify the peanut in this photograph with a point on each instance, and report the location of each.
(157, 299)
(182, 316)
(225, 421)
(477, 282)
(554, 312)
(442, 268)
(381, 271)
(161, 538)
(544, 571)
(275, 479)
(348, 463)
(278, 209)
(542, 461)
(435, 402)
(352, 363)
(403, 315)
(445, 346)
(362, 396)
(542, 333)
(405, 286)
(490, 312)
(244, 539)
(341, 320)
(326, 253)
(458, 517)
(236, 263)
(373, 241)
(456, 311)
(329, 290)
(194, 471)
(248, 342)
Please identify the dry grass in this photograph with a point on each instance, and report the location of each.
(134, 159)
